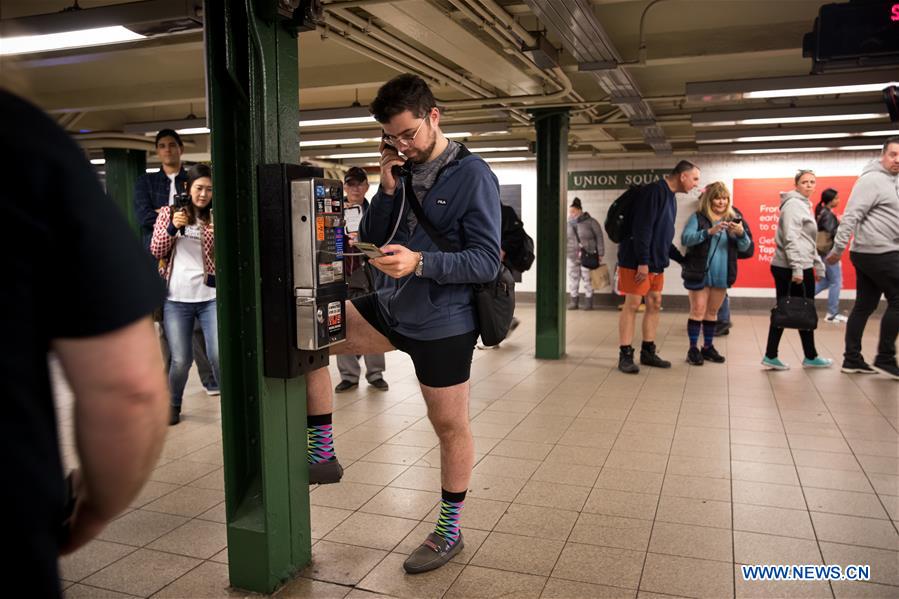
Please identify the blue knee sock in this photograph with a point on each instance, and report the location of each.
(693, 327)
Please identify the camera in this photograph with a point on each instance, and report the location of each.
(181, 200)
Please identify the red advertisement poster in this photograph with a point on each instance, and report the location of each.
(759, 201)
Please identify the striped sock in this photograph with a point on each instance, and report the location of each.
(448, 520)
(708, 332)
(319, 439)
(693, 327)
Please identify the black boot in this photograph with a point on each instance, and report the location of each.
(174, 415)
(649, 357)
(626, 360)
(572, 303)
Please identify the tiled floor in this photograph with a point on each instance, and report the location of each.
(589, 483)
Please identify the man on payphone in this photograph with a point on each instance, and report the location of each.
(359, 282)
(423, 301)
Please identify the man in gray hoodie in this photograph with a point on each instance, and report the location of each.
(872, 216)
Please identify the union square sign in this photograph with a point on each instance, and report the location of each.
(581, 180)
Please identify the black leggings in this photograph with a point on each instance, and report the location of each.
(875, 275)
(787, 288)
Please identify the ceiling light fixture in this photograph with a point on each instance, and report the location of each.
(311, 143)
(854, 148)
(98, 161)
(338, 121)
(819, 91)
(792, 114)
(790, 137)
(790, 87)
(27, 44)
(780, 150)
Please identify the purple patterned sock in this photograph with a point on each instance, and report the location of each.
(319, 439)
(448, 520)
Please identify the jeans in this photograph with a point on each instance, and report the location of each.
(199, 345)
(833, 282)
(724, 310)
(179, 318)
(875, 274)
(785, 287)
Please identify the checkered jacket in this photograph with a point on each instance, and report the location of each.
(162, 246)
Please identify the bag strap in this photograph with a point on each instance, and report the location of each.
(442, 242)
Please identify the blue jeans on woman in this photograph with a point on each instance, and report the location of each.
(833, 282)
(178, 319)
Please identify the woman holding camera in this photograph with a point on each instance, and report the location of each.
(833, 273)
(183, 241)
(713, 235)
(796, 266)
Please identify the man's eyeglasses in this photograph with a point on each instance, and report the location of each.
(405, 140)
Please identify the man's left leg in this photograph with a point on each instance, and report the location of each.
(648, 355)
(448, 413)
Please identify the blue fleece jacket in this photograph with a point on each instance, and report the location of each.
(652, 230)
(464, 206)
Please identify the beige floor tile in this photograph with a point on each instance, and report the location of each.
(220, 557)
(716, 489)
(346, 496)
(889, 449)
(891, 503)
(482, 514)
(773, 520)
(884, 564)
(853, 530)
(477, 583)
(826, 460)
(704, 512)
(197, 538)
(181, 472)
(209, 580)
(521, 449)
(415, 438)
(81, 591)
(692, 541)
(493, 465)
(364, 434)
(497, 488)
(518, 553)
(622, 503)
(215, 514)
(863, 590)
(595, 426)
(579, 456)
(648, 595)
(563, 497)
(91, 558)
(371, 530)
(404, 455)
(187, 501)
(658, 445)
(678, 575)
(743, 429)
(143, 572)
(885, 484)
(534, 521)
(818, 443)
(600, 565)
(873, 464)
(152, 491)
(556, 588)
(406, 503)
(634, 481)
(536, 435)
(341, 564)
(756, 548)
(214, 480)
(758, 453)
(421, 479)
(472, 539)
(848, 503)
(352, 450)
(841, 480)
(611, 531)
(324, 519)
(766, 589)
(787, 496)
(691, 466)
(637, 460)
(779, 474)
(372, 473)
(139, 527)
(388, 578)
(305, 588)
(761, 438)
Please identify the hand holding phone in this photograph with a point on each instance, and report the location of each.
(369, 249)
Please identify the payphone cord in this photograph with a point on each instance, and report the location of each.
(396, 225)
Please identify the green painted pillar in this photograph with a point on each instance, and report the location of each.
(123, 167)
(552, 169)
(252, 75)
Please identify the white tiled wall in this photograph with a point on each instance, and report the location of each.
(715, 167)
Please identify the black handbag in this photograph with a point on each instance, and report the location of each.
(794, 312)
(494, 302)
(589, 260)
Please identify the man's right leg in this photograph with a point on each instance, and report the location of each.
(361, 338)
(867, 296)
(648, 355)
(626, 325)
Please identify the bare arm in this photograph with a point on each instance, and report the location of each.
(121, 407)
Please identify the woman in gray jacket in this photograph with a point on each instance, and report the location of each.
(796, 266)
(584, 237)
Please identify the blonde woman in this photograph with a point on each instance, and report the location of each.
(713, 235)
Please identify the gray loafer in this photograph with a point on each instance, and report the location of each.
(433, 553)
(325, 473)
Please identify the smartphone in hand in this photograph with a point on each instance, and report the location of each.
(369, 249)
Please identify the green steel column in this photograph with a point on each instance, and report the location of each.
(552, 168)
(123, 167)
(252, 74)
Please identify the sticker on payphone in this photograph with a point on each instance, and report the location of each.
(320, 228)
(335, 318)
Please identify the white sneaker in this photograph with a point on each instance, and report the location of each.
(841, 318)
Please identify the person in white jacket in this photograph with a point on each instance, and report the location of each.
(796, 266)
(872, 216)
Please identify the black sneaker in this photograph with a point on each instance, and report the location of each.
(174, 416)
(857, 367)
(345, 386)
(626, 361)
(433, 553)
(649, 357)
(722, 328)
(325, 473)
(711, 354)
(694, 357)
(379, 384)
(889, 368)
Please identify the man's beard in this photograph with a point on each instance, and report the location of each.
(421, 156)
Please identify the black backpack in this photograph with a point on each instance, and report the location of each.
(618, 218)
(516, 242)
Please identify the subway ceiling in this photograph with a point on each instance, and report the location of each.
(627, 98)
